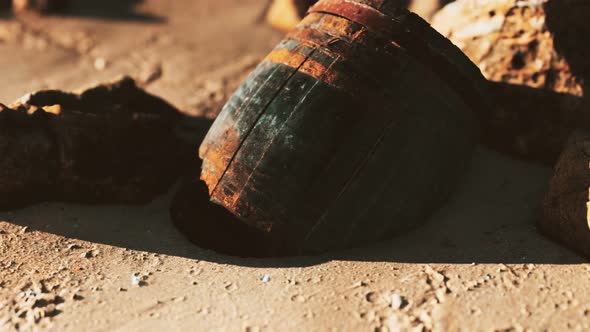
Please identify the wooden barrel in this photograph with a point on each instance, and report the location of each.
(356, 126)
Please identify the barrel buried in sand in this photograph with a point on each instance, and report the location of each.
(356, 126)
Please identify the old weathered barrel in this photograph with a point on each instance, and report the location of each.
(356, 126)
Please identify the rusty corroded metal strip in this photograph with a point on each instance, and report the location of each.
(360, 13)
(225, 138)
(369, 62)
(347, 30)
(291, 58)
(223, 133)
(336, 26)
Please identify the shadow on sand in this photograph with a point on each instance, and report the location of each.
(490, 219)
(114, 10)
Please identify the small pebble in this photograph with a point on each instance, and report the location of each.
(87, 254)
(265, 278)
(397, 301)
(100, 64)
(137, 279)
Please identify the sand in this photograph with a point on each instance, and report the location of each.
(479, 264)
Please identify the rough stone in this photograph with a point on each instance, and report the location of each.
(565, 209)
(285, 14)
(5, 4)
(111, 143)
(539, 94)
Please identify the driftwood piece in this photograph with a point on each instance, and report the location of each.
(112, 143)
(342, 136)
(539, 97)
(565, 210)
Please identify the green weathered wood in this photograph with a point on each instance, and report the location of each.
(360, 139)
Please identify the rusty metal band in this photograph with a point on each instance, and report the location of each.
(291, 58)
(367, 16)
(370, 73)
(336, 74)
(337, 27)
(312, 67)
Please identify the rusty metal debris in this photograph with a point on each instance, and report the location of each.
(110, 143)
(356, 126)
(540, 98)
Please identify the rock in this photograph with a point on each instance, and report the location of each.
(138, 280)
(284, 15)
(568, 21)
(31, 307)
(5, 4)
(100, 64)
(426, 8)
(565, 209)
(397, 301)
(113, 143)
(531, 123)
(539, 95)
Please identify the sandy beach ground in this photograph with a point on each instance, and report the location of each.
(479, 264)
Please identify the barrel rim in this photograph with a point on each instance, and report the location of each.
(409, 31)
